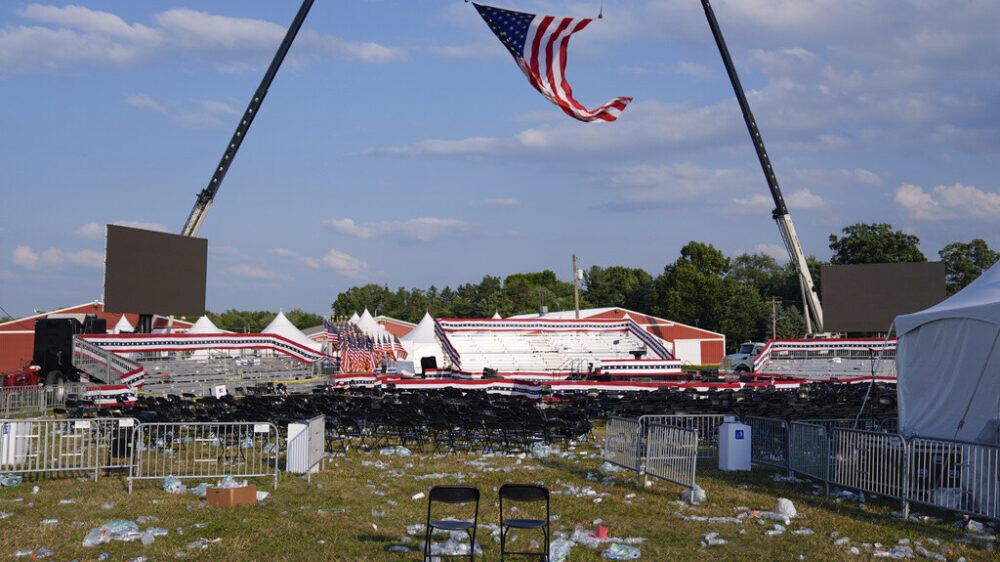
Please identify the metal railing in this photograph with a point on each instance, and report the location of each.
(768, 441)
(76, 445)
(707, 426)
(623, 442)
(808, 450)
(869, 461)
(205, 450)
(671, 454)
(955, 475)
(36, 399)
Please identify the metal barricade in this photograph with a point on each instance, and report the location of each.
(672, 454)
(890, 425)
(623, 442)
(78, 445)
(768, 441)
(205, 450)
(870, 461)
(707, 426)
(808, 450)
(955, 475)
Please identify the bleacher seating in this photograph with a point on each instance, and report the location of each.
(549, 353)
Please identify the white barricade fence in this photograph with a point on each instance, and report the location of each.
(66, 445)
(623, 442)
(768, 441)
(808, 450)
(205, 450)
(707, 426)
(671, 454)
(305, 446)
(955, 475)
(870, 461)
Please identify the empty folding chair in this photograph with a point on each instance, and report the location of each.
(452, 495)
(524, 493)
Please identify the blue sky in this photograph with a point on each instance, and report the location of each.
(399, 143)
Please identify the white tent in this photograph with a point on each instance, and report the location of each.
(281, 326)
(123, 326)
(948, 360)
(422, 342)
(367, 324)
(204, 326)
(496, 316)
(354, 318)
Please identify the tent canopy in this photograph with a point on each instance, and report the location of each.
(423, 333)
(123, 326)
(204, 326)
(281, 326)
(948, 360)
(367, 324)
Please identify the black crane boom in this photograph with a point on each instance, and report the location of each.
(207, 195)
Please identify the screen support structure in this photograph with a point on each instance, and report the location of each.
(813, 310)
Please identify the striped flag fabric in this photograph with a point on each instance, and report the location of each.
(538, 45)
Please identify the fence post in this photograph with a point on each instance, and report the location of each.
(788, 447)
(826, 458)
(907, 474)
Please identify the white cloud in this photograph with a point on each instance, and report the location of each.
(754, 204)
(344, 264)
(804, 199)
(90, 230)
(142, 101)
(838, 177)
(70, 35)
(694, 69)
(499, 203)
(283, 253)
(776, 251)
(421, 228)
(143, 225)
(948, 202)
(252, 272)
(648, 185)
(218, 107)
(27, 258)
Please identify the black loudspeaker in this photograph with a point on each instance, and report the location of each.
(54, 343)
(95, 325)
(428, 363)
(489, 373)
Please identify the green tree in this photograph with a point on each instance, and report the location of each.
(964, 262)
(302, 319)
(874, 243)
(617, 286)
(356, 299)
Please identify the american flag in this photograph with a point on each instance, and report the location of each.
(539, 44)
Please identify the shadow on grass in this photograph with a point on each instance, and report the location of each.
(380, 538)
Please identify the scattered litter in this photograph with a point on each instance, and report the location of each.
(5, 514)
(713, 539)
(972, 525)
(399, 548)
(34, 490)
(696, 495)
(415, 529)
(803, 531)
(50, 521)
(200, 489)
(114, 531)
(173, 485)
(842, 541)
(22, 553)
(229, 482)
(397, 451)
(776, 530)
(107, 505)
(418, 496)
(785, 507)
(261, 496)
(43, 553)
(621, 552)
(559, 549)
(146, 518)
(376, 513)
(66, 502)
(607, 467)
(780, 478)
(855, 550)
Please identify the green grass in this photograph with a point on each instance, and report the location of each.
(285, 529)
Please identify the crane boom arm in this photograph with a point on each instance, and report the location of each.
(207, 195)
(813, 309)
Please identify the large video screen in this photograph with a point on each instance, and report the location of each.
(148, 272)
(866, 297)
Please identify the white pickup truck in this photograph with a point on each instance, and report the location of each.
(741, 362)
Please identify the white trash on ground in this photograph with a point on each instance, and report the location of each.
(785, 507)
(621, 552)
(696, 495)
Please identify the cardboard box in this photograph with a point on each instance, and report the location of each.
(232, 497)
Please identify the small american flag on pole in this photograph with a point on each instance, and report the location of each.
(539, 44)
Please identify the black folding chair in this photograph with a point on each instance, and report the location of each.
(452, 495)
(524, 493)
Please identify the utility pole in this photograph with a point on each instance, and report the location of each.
(774, 302)
(576, 289)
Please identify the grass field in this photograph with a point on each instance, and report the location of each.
(337, 508)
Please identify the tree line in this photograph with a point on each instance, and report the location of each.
(703, 287)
